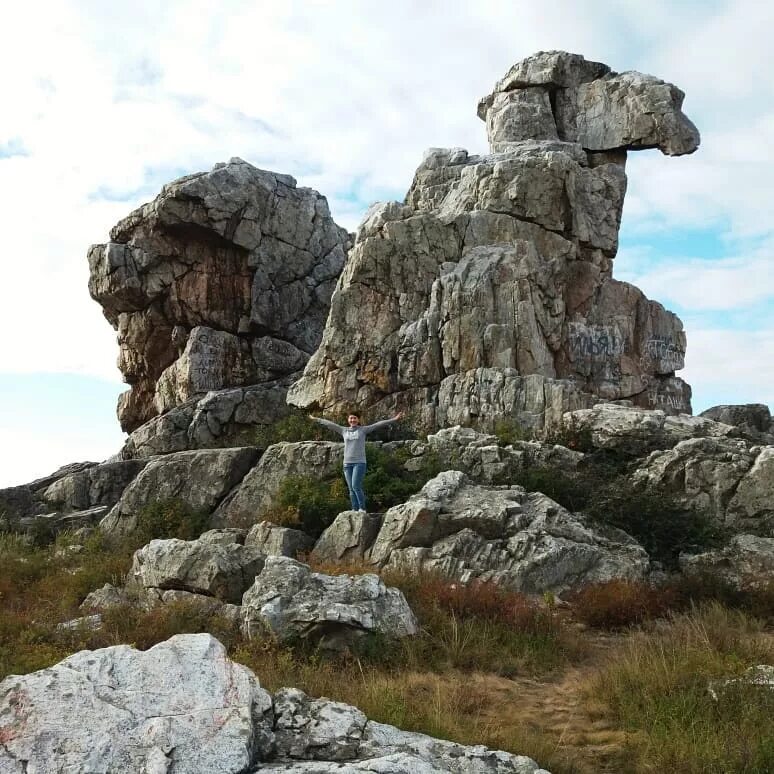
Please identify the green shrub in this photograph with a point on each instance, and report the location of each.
(509, 431)
(171, 518)
(313, 503)
(662, 526)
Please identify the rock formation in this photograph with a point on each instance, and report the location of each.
(488, 293)
(183, 707)
(525, 542)
(221, 281)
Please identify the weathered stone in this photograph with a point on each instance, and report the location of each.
(106, 597)
(523, 541)
(489, 294)
(224, 571)
(746, 562)
(585, 102)
(200, 479)
(758, 677)
(635, 431)
(96, 485)
(53, 523)
(483, 458)
(289, 601)
(323, 730)
(273, 540)
(223, 536)
(182, 705)
(348, 538)
(84, 623)
(752, 419)
(256, 496)
(221, 281)
(316, 729)
(729, 479)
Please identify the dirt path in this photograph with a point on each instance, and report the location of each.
(557, 712)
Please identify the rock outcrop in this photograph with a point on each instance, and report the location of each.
(183, 706)
(222, 418)
(119, 709)
(525, 542)
(221, 281)
(634, 431)
(214, 569)
(75, 496)
(488, 292)
(200, 479)
(746, 562)
(752, 419)
(730, 479)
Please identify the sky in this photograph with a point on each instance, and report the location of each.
(103, 103)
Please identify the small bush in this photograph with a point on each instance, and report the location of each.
(756, 597)
(620, 603)
(662, 526)
(311, 503)
(509, 431)
(169, 519)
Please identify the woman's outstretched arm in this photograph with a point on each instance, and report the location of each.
(382, 423)
(327, 423)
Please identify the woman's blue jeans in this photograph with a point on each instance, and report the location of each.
(354, 473)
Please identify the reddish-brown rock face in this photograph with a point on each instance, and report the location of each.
(221, 281)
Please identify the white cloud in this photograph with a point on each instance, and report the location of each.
(728, 284)
(111, 99)
(730, 366)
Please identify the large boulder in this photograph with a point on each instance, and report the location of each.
(320, 730)
(183, 707)
(635, 431)
(347, 539)
(489, 292)
(96, 485)
(223, 280)
(752, 419)
(221, 570)
(526, 542)
(200, 479)
(561, 96)
(289, 602)
(274, 540)
(730, 479)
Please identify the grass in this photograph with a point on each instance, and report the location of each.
(461, 678)
(658, 690)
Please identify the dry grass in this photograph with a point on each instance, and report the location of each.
(657, 688)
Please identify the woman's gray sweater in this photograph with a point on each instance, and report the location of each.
(354, 437)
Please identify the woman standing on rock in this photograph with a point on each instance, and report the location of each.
(354, 436)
